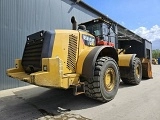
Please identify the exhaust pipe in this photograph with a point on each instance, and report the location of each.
(74, 23)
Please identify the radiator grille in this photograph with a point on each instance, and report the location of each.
(72, 52)
(31, 60)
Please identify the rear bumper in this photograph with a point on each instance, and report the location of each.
(51, 77)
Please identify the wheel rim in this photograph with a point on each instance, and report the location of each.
(138, 71)
(109, 79)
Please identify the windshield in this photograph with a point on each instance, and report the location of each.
(95, 29)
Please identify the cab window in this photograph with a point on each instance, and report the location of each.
(95, 30)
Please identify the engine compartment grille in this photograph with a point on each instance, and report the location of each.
(72, 52)
(31, 60)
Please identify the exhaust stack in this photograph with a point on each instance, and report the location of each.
(74, 23)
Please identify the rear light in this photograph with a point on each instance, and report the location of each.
(16, 65)
(45, 68)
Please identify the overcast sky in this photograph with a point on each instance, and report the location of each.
(140, 16)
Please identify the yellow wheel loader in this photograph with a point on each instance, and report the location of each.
(154, 61)
(66, 59)
(69, 59)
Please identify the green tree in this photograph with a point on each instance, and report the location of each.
(156, 53)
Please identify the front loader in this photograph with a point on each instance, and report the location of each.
(79, 58)
(66, 59)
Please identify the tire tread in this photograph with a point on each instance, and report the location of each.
(92, 89)
(131, 79)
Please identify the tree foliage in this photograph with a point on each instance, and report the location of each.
(156, 53)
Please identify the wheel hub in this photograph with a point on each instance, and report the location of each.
(109, 79)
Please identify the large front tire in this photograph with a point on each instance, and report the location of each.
(105, 83)
(135, 73)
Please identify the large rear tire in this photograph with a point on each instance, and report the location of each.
(135, 73)
(105, 83)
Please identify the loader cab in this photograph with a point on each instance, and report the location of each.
(104, 32)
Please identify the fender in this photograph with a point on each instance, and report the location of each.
(88, 64)
(125, 60)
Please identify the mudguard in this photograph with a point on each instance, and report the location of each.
(125, 60)
(89, 61)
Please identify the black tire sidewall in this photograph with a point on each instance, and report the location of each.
(109, 95)
(137, 62)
